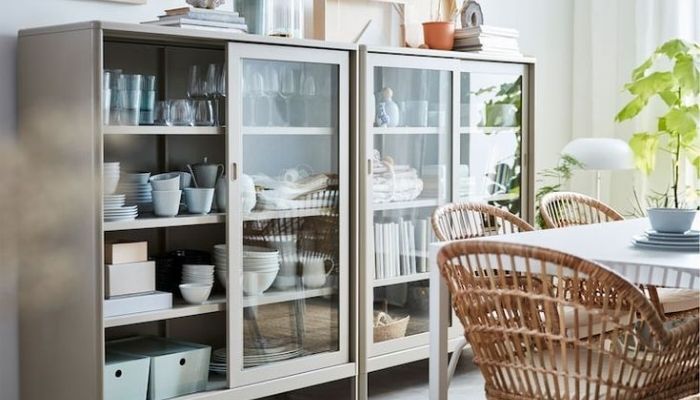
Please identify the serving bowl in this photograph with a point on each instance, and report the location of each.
(257, 282)
(195, 293)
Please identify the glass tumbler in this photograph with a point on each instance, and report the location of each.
(181, 112)
(162, 113)
(203, 113)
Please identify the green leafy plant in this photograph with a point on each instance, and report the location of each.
(552, 180)
(678, 129)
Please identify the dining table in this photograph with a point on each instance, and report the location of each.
(610, 244)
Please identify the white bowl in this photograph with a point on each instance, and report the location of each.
(255, 283)
(195, 293)
(169, 181)
(166, 203)
(671, 220)
(110, 183)
(221, 275)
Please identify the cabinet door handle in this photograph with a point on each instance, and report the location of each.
(234, 171)
(369, 166)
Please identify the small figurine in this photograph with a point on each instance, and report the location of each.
(391, 109)
(382, 117)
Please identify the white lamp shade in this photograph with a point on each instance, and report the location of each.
(601, 154)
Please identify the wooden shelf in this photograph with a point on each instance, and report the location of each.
(488, 130)
(300, 213)
(422, 276)
(178, 311)
(273, 296)
(286, 130)
(408, 130)
(147, 221)
(162, 130)
(398, 205)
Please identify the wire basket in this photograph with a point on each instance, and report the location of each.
(388, 328)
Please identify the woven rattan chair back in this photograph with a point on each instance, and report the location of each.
(548, 325)
(456, 221)
(560, 209)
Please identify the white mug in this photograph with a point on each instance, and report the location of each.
(314, 271)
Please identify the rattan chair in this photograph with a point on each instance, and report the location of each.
(467, 220)
(561, 209)
(512, 299)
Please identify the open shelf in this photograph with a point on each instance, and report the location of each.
(147, 221)
(178, 311)
(407, 130)
(300, 213)
(280, 296)
(162, 130)
(422, 276)
(288, 130)
(487, 130)
(398, 205)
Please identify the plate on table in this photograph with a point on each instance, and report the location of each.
(644, 242)
(691, 236)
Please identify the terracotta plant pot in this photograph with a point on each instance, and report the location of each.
(439, 35)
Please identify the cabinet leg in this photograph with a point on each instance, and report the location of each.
(361, 386)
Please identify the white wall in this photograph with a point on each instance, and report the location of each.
(545, 32)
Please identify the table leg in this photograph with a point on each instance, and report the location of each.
(439, 321)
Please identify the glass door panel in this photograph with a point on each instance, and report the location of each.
(490, 144)
(411, 175)
(292, 268)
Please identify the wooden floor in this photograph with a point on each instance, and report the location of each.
(405, 382)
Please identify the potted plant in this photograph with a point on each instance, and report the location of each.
(440, 32)
(678, 129)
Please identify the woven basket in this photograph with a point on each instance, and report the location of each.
(388, 328)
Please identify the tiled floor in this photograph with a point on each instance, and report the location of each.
(405, 382)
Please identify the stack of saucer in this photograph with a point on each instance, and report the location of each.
(115, 210)
(218, 364)
(198, 273)
(686, 241)
(137, 190)
(110, 177)
(221, 263)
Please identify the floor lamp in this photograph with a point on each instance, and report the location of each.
(600, 154)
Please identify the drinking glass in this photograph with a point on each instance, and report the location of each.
(162, 113)
(221, 106)
(195, 83)
(203, 112)
(271, 88)
(181, 112)
(288, 91)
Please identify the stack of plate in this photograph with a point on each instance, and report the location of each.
(110, 177)
(198, 273)
(218, 364)
(137, 189)
(115, 210)
(687, 241)
(255, 356)
(169, 267)
(221, 263)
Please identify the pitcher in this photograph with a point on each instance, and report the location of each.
(205, 175)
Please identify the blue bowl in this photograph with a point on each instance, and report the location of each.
(671, 220)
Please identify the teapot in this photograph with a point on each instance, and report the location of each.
(205, 175)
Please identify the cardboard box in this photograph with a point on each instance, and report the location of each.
(130, 278)
(132, 304)
(127, 252)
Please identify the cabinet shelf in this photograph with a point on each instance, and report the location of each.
(422, 276)
(407, 130)
(487, 130)
(178, 311)
(163, 130)
(398, 205)
(147, 221)
(300, 213)
(273, 296)
(288, 130)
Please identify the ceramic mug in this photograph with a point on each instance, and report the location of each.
(199, 200)
(314, 271)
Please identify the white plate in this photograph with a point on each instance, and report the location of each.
(112, 219)
(654, 246)
(667, 243)
(689, 234)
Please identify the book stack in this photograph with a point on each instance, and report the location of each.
(401, 247)
(487, 39)
(202, 18)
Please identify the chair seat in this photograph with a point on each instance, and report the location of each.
(596, 323)
(678, 300)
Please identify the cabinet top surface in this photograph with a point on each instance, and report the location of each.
(462, 55)
(146, 32)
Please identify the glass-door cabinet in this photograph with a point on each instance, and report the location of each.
(288, 252)
(434, 130)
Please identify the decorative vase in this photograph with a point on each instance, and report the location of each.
(439, 35)
(389, 108)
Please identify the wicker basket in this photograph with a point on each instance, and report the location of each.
(388, 328)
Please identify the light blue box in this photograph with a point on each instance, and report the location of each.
(125, 376)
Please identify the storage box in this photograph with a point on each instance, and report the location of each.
(177, 368)
(131, 304)
(127, 252)
(130, 278)
(125, 376)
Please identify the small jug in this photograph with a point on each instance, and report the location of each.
(314, 273)
(205, 175)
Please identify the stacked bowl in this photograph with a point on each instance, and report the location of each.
(221, 264)
(197, 281)
(110, 177)
(260, 268)
(166, 194)
(137, 189)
